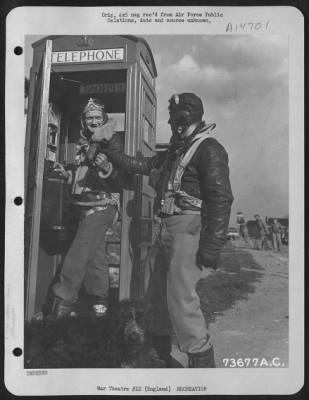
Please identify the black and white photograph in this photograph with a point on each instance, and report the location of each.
(154, 219)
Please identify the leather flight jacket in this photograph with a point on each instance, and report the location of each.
(206, 177)
(119, 179)
(91, 192)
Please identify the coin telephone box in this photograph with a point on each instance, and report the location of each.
(66, 70)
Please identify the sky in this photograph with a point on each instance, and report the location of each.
(243, 83)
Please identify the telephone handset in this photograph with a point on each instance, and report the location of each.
(53, 134)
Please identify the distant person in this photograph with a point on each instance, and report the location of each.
(285, 235)
(269, 241)
(262, 232)
(243, 228)
(276, 230)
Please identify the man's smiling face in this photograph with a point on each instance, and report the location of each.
(93, 119)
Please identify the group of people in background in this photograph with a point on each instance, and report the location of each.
(268, 233)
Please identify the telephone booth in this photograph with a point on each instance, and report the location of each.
(66, 70)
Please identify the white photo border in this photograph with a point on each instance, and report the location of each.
(24, 21)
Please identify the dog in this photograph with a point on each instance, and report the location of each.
(121, 339)
(138, 351)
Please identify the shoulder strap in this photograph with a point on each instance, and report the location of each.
(192, 149)
(198, 139)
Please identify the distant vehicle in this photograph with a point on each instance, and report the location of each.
(232, 233)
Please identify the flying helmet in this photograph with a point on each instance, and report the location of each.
(93, 105)
(185, 109)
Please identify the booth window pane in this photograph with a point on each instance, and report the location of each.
(147, 132)
(148, 111)
(147, 205)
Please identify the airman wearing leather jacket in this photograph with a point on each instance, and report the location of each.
(192, 182)
(96, 196)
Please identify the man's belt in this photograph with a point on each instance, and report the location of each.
(182, 212)
(89, 199)
(91, 196)
(180, 202)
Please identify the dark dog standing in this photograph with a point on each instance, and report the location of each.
(119, 340)
(138, 351)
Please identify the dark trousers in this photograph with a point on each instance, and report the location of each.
(85, 260)
(276, 240)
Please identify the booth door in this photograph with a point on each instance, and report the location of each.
(37, 138)
(147, 193)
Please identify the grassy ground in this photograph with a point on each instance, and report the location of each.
(229, 283)
(87, 343)
(79, 342)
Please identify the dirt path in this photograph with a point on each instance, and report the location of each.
(254, 328)
(257, 327)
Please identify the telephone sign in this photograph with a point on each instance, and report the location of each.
(81, 56)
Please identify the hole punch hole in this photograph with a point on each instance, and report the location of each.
(17, 352)
(18, 200)
(18, 50)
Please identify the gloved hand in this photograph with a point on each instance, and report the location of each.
(102, 163)
(205, 262)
